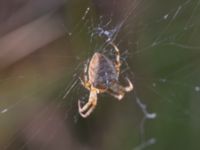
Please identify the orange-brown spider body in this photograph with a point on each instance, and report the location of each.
(102, 76)
(102, 72)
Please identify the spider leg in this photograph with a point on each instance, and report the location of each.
(85, 71)
(88, 112)
(119, 96)
(85, 82)
(87, 109)
(129, 87)
(118, 62)
(118, 90)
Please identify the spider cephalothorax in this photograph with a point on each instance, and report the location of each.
(102, 76)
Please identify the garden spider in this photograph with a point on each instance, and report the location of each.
(102, 76)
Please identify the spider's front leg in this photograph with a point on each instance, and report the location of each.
(88, 108)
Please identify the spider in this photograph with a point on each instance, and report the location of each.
(102, 76)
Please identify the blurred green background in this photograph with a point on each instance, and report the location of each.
(44, 45)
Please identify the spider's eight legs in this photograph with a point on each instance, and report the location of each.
(88, 108)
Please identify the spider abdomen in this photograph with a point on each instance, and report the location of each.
(102, 72)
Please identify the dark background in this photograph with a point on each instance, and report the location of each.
(43, 46)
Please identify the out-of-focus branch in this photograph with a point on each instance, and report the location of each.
(16, 13)
(30, 37)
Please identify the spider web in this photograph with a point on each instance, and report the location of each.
(159, 49)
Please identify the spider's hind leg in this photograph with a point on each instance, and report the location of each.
(118, 96)
(118, 90)
(129, 87)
